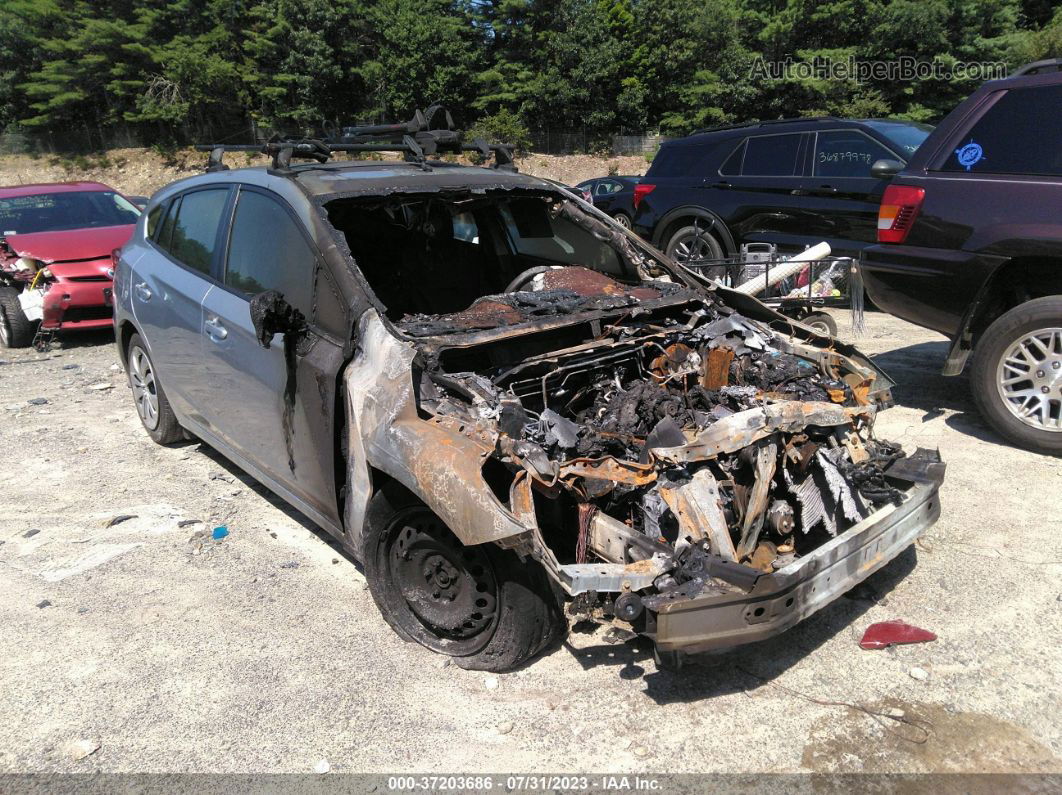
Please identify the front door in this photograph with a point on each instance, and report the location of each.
(260, 398)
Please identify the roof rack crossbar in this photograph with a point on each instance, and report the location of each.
(417, 139)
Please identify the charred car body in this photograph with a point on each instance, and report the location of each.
(508, 408)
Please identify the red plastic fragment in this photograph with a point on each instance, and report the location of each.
(889, 633)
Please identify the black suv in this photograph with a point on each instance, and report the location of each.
(792, 182)
(971, 246)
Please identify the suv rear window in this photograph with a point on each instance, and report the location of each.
(771, 156)
(191, 228)
(1019, 134)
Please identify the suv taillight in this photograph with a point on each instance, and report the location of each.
(641, 190)
(899, 208)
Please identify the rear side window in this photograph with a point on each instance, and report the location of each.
(771, 156)
(677, 161)
(847, 153)
(732, 166)
(268, 251)
(1019, 134)
(191, 228)
(153, 220)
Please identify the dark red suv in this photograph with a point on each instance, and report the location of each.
(970, 244)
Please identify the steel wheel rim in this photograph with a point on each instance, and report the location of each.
(692, 248)
(1029, 379)
(820, 325)
(5, 330)
(145, 388)
(449, 590)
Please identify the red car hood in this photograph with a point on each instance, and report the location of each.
(92, 243)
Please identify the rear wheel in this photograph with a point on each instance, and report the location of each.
(1017, 375)
(16, 330)
(623, 220)
(694, 242)
(151, 404)
(479, 604)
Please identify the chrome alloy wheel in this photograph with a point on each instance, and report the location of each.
(145, 392)
(1029, 379)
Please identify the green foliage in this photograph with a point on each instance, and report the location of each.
(503, 127)
(173, 71)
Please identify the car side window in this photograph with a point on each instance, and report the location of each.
(607, 186)
(1019, 134)
(190, 230)
(847, 153)
(771, 156)
(268, 251)
(732, 165)
(153, 220)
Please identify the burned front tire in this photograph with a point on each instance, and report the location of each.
(16, 330)
(479, 604)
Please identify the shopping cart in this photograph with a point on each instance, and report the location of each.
(803, 295)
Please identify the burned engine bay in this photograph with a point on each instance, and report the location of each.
(657, 444)
(692, 446)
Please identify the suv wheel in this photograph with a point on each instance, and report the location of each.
(16, 330)
(479, 604)
(151, 404)
(1017, 375)
(694, 242)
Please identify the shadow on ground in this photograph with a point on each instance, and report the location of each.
(920, 385)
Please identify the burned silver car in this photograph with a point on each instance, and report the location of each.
(510, 409)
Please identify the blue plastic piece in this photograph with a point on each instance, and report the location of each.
(220, 532)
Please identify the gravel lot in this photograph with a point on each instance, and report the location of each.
(167, 651)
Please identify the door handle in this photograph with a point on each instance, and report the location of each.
(798, 192)
(720, 184)
(825, 190)
(215, 330)
(142, 291)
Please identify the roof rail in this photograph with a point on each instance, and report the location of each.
(416, 139)
(1038, 67)
(742, 125)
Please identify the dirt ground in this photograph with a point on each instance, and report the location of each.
(140, 172)
(145, 646)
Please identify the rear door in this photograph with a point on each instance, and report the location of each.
(169, 284)
(762, 178)
(839, 195)
(256, 405)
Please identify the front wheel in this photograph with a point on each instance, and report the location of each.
(16, 330)
(480, 604)
(1017, 375)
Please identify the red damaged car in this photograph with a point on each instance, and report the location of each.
(56, 241)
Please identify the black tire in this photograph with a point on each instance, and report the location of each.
(822, 323)
(152, 406)
(623, 220)
(16, 330)
(694, 242)
(480, 604)
(1000, 343)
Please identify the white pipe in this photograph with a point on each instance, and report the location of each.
(792, 265)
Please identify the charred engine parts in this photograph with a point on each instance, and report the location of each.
(697, 449)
